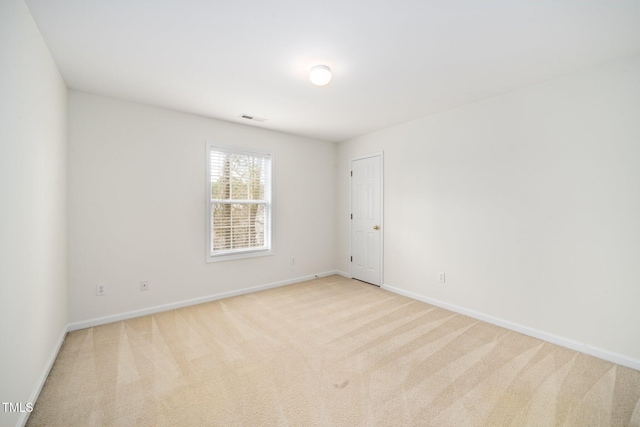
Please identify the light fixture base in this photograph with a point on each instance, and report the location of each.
(320, 75)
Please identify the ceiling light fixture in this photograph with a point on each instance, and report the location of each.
(320, 75)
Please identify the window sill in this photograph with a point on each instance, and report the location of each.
(239, 255)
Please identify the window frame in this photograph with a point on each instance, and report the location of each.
(245, 252)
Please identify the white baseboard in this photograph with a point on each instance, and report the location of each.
(343, 274)
(610, 356)
(185, 303)
(22, 421)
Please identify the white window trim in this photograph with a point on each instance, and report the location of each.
(241, 254)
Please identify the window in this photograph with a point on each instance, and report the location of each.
(238, 203)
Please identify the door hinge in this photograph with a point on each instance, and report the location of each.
(351, 216)
(351, 259)
(351, 173)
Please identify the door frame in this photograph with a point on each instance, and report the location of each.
(379, 154)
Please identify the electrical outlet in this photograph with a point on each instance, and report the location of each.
(101, 289)
(293, 260)
(441, 277)
(144, 285)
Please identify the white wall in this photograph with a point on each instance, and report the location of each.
(33, 244)
(529, 201)
(137, 207)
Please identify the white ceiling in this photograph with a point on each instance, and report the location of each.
(393, 61)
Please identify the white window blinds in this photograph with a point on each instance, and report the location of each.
(239, 204)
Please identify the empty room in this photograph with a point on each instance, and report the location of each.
(348, 213)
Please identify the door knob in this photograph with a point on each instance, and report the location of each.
(376, 227)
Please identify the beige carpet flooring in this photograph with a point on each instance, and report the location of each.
(328, 352)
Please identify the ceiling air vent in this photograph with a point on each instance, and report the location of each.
(254, 118)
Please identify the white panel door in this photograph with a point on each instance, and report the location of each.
(366, 222)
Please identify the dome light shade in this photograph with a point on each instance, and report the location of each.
(320, 75)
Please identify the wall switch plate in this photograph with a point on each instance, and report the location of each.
(441, 277)
(101, 289)
(144, 285)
